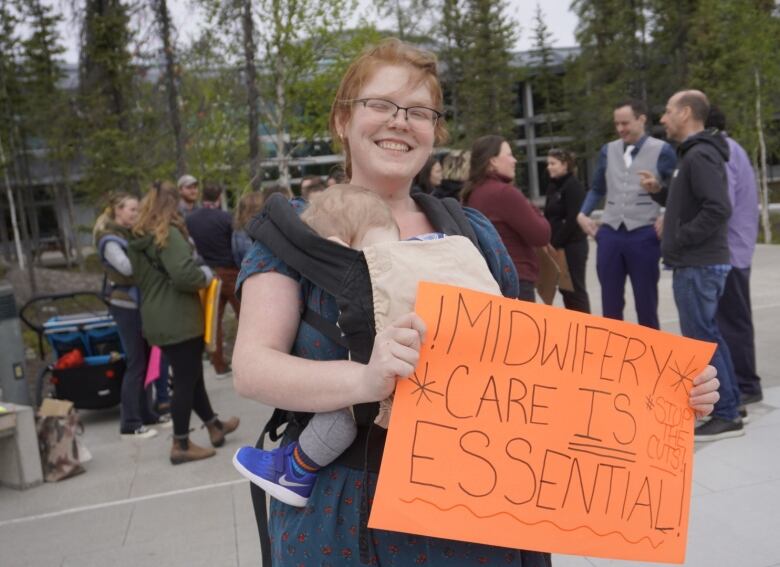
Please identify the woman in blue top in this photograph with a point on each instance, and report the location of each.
(387, 115)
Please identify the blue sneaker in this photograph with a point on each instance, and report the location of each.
(273, 472)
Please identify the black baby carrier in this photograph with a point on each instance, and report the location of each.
(343, 273)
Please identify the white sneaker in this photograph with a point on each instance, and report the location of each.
(164, 421)
(142, 432)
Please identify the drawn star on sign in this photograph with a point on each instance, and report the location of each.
(423, 388)
(683, 376)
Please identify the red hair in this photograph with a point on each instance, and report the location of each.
(390, 51)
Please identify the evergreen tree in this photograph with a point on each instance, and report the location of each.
(454, 42)
(10, 139)
(109, 144)
(409, 17)
(669, 52)
(488, 85)
(47, 112)
(611, 66)
(544, 80)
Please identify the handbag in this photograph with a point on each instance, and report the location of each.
(58, 424)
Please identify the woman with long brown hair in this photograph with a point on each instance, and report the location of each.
(490, 191)
(248, 206)
(169, 279)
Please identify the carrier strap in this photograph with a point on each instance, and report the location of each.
(446, 215)
(321, 324)
(318, 259)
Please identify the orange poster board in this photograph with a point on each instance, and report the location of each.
(532, 427)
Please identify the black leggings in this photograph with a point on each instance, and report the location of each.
(577, 259)
(189, 389)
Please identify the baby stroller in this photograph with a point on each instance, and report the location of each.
(88, 358)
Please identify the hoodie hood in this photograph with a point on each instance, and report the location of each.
(142, 243)
(709, 137)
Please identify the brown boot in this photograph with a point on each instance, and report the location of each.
(218, 429)
(184, 451)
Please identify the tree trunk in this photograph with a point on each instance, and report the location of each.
(62, 225)
(762, 170)
(12, 208)
(22, 211)
(282, 157)
(164, 19)
(252, 94)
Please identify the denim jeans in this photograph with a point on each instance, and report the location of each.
(135, 404)
(697, 290)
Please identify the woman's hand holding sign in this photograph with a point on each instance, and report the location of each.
(395, 355)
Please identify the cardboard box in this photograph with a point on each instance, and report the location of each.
(56, 408)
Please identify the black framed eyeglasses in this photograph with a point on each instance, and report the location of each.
(418, 117)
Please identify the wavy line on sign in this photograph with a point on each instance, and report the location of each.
(650, 541)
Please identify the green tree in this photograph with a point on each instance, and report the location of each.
(305, 49)
(670, 24)
(544, 80)
(454, 43)
(171, 78)
(214, 110)
(302, 50)
(110, 146)
(10, 142)
(488, 83)
(612, 65)
(47, 112)
(741, 73)
(237, 19)
(409, 17)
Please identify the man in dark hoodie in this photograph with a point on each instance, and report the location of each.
(695, 242)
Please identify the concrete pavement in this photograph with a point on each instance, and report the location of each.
(132, 508)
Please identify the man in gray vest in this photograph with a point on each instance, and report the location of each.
(628, 244)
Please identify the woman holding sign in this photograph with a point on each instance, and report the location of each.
(387, 115)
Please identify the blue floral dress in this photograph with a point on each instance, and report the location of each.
(325, 532)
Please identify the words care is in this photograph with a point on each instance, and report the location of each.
(494, 404)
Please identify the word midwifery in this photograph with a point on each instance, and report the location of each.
(534, 427)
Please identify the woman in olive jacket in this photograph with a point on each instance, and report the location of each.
(168, 277)
(564, 199)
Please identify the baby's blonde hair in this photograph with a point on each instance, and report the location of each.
(347, 212)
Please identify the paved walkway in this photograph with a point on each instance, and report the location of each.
(133, 509)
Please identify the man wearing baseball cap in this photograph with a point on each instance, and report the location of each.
(188, 194)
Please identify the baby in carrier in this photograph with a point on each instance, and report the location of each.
(355, 217)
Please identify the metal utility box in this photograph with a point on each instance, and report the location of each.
(13, 382)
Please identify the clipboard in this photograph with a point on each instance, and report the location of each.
(209, 298)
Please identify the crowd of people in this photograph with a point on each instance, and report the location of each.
(157, 254)
(162, 252)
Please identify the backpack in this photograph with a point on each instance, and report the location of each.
(343, 273)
